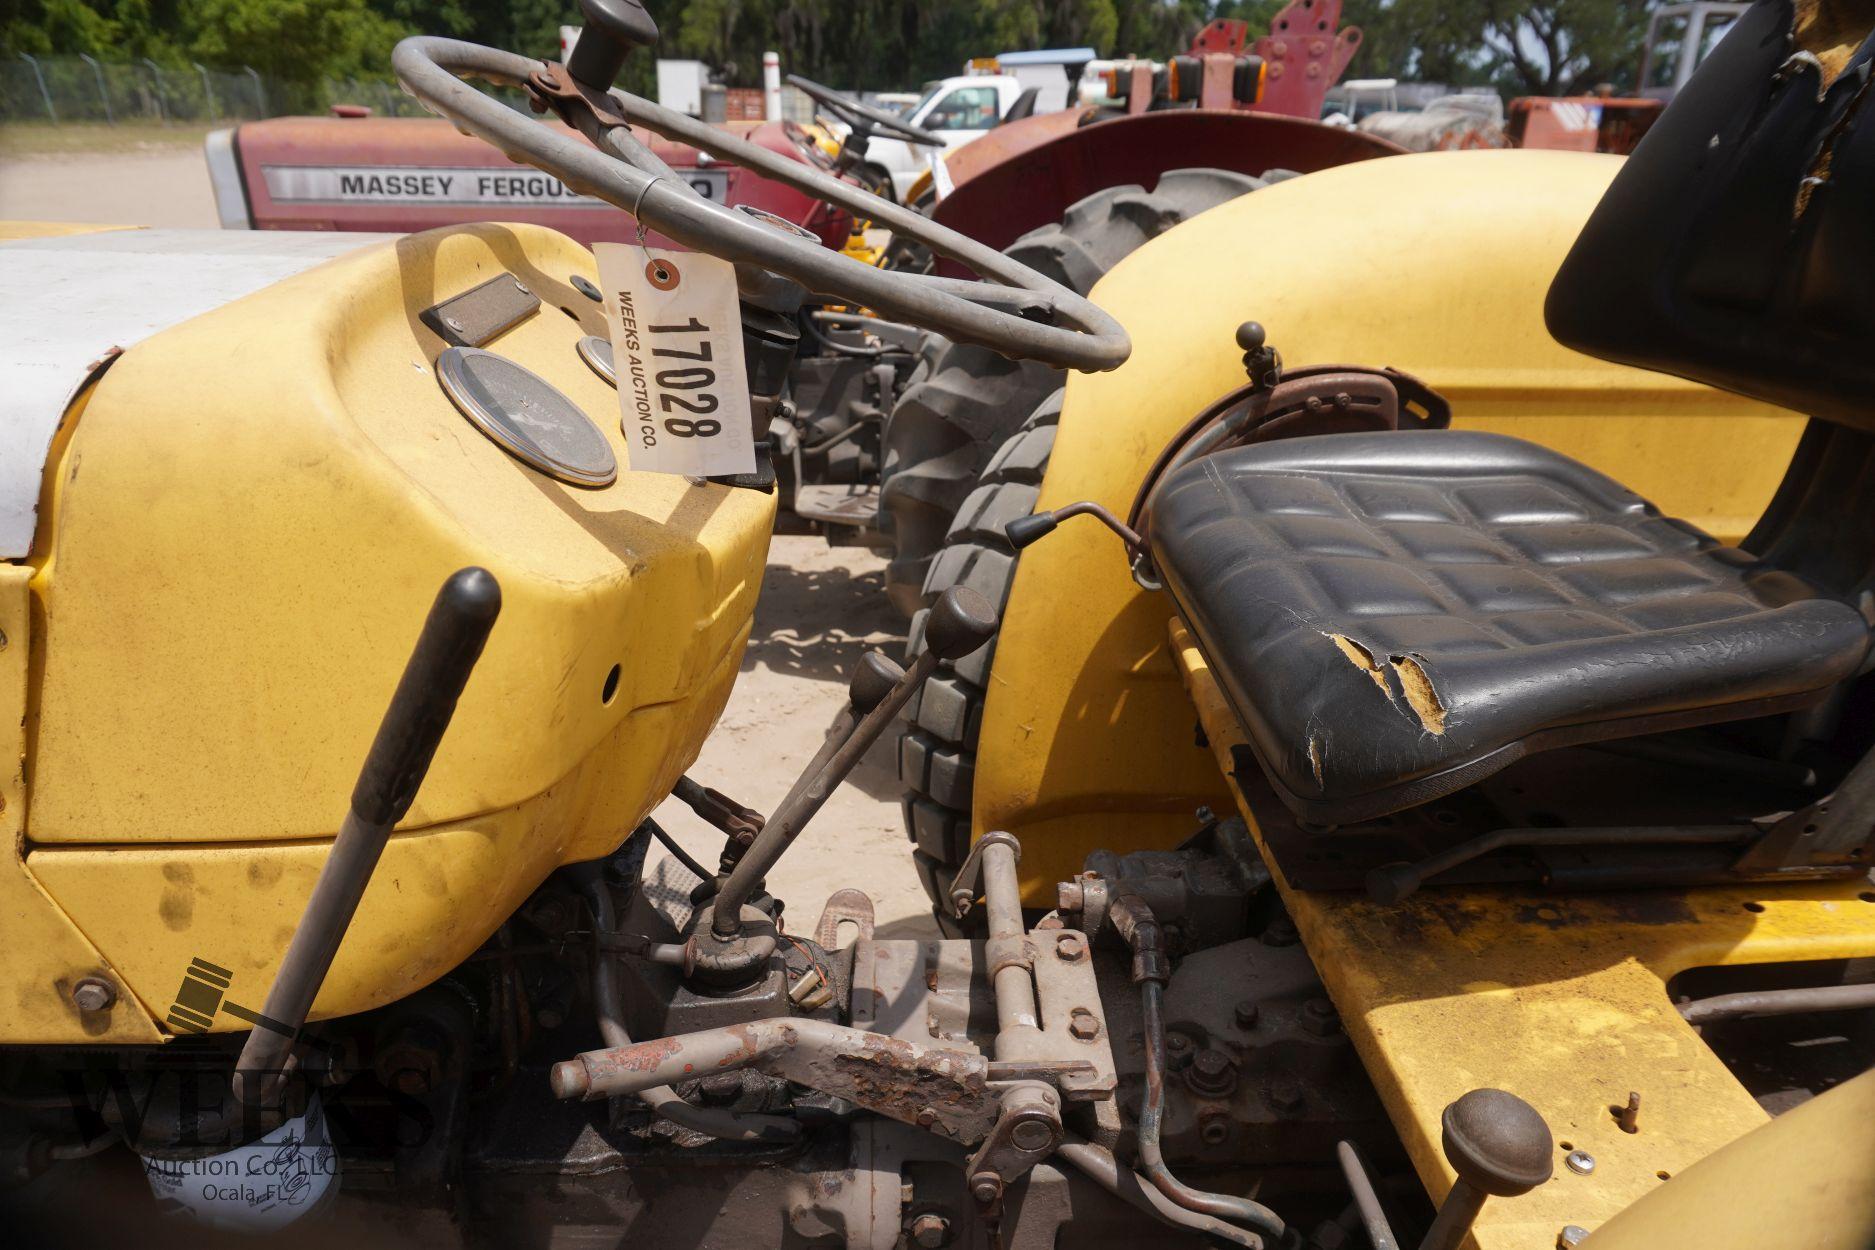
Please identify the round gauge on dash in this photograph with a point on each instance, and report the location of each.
(526, 417)
(597, 353)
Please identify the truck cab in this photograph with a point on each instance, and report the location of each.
(957, 110)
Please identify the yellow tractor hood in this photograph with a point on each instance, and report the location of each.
(244, 521)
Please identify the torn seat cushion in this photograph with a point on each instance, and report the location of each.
(1396, 615)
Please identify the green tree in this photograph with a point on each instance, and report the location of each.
(1524, 47)
(295, 41)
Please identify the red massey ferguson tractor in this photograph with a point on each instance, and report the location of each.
(353, 171)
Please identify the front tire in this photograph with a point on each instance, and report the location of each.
(943, 432)
(938, 744)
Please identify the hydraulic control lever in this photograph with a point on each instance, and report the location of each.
(1496, 1142)
(400, 755)
(959, 622)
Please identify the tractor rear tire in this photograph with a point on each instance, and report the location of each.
(937, 748)
(951, 421)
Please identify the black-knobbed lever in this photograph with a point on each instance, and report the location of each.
(959, 622)
(446, 652)
(1496, 1142)
(613, 28)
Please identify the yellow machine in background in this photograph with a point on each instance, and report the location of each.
(1087, 730)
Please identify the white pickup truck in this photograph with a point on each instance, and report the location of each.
(966, 107)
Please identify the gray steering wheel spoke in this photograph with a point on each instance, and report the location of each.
(619, 169)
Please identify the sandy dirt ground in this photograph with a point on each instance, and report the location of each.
(165, 187)
(820, 609)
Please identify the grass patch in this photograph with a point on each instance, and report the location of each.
(19, 139)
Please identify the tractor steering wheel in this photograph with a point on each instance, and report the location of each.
(864, 118)
(1012, 310)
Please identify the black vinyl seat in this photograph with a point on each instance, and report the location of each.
(1397, 615)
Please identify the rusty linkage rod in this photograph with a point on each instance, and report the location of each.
(1151, 969)
(949, 1092)
(1786, 1002)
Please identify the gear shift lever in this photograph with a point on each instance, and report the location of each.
(613, 28)
(960, 622)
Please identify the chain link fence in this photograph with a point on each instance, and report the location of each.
(86, 89)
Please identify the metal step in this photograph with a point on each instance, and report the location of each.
(838, 505)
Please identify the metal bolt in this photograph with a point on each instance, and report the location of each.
(453, 324)
(1214, 1127)
(1083, 1026)
(1629, 1117)
(1246, 1013)
(926, 1118)
(1178, 1049)
(521, 287)
(986, 1188)
(1571, 1236)
(1319, 1018)
(930, 1231)
(1211, 1072)
(93, 994)
(1581, 1162)
(1286, 1097)
(1032, 1135)
(1070, 896)
(1070, 947)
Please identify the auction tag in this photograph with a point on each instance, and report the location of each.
(677, 352)
(940, 172)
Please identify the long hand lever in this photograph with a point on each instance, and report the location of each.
(446, 652)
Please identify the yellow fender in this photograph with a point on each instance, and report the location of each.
(1437, 264)
(1801, 1182)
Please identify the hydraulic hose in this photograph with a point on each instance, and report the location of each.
(1136, 923)
(1104, 1170)
(662, 1099)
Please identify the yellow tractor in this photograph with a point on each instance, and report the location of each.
(1404, 834)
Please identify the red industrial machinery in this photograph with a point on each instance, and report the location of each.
(352, 171)
(1581, 123)
(1287, 71)
(1228, 103)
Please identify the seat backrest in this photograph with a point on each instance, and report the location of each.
(1805, 1181)
(1734, 248)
